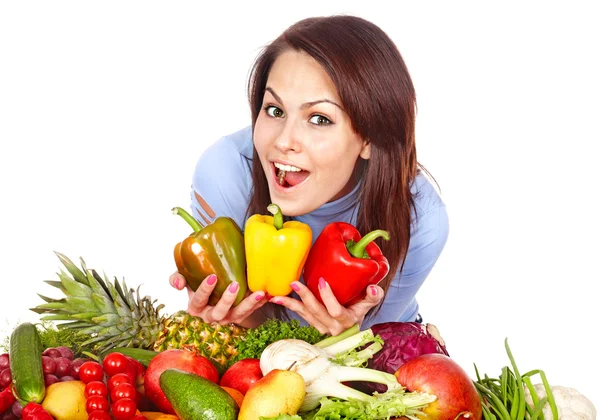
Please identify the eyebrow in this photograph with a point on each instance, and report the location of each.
(307, 104)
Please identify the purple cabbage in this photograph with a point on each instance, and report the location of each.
(403, 341)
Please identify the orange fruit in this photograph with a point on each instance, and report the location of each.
(235, 394)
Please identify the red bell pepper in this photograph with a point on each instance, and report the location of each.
(346, 261)
(6, 399)
(33, 411)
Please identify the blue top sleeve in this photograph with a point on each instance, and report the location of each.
(221, 183)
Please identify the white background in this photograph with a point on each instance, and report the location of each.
(106, 106)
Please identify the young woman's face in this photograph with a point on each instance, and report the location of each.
(304, 137)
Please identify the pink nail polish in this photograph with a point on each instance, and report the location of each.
(233, 287)
(177, 284)
(295, 286)
(277, 301)
(374, 290)
(322, 283)
(212, 279)
(259, 297)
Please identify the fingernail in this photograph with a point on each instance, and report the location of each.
(277, 301)
(259, 296)
(212, 279)
(177, 284)
(295, 286)
(322, 283)
(374, 290)
(234, 286)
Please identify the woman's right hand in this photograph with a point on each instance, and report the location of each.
(222, 312)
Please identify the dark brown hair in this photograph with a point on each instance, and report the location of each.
(378, 95)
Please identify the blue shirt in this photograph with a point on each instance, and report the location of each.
(222, 178)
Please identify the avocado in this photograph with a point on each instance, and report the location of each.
(196, 398)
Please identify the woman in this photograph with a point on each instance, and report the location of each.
(332, 139)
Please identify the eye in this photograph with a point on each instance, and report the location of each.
(320, 120)
(273, 111)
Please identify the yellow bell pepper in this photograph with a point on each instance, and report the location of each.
(275, 251)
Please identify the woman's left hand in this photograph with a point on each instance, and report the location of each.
(330, 318)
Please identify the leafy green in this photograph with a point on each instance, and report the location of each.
(257, 339)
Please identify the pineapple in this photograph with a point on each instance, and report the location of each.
(114, 317)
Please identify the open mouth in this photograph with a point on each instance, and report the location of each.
(288, 176)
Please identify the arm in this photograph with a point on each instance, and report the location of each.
(426, 244)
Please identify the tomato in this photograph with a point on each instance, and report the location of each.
(124, 409)
(117, 379)
(91, 371)
(97, 403)
(96, 388)
(123, 390)
(115, 363)
(99, 415)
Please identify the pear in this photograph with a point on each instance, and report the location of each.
(278, 392)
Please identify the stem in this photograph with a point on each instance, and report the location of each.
(188, 218)
(335, 338)
(277, 215)
(358, 249)
(345, 374)
(349, 343)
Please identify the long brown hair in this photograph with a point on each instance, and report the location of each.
(377, 92)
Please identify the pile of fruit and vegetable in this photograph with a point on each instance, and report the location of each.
(103, 351)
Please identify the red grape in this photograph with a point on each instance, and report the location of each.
(17, 409)
(67, 378)
(5, 378)
(8, 415)
(4, 361)
(75, 365)
(48, 364)
(50, 379)
(62, 366)
(65, 352)
(51, 352)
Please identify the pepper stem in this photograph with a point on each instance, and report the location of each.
(357, 250)
(277, 215)
(188, 218)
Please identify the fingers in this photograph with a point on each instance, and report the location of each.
(223, 306)
(374, 296)
(177, 281)
(247, 306)
(199, 298)
(335, 309)
(300, 308)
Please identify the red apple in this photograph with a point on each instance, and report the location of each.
(175, 359)
(439, 375)
(242, 375)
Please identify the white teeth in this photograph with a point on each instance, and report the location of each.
(287, 168)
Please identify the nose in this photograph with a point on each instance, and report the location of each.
(288, 139)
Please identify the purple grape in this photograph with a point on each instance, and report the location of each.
(4, 361)
(50, 379)
(51, 352)
(75, 365)
(17, 409)
(62, 366)
(65, 352)
(5, 378)
(67, 378)
(48, 364)
(8, 415)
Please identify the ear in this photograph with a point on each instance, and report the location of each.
(365, 152)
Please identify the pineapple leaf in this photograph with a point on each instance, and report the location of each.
(103, 303)
(97, 285)
(77, 274)
(85, 316)
(61, 307)
(57, 317)
(74, 288)
(101, 282)
(49, 300)
(106, 319)
(57, 284)
(119, 303)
